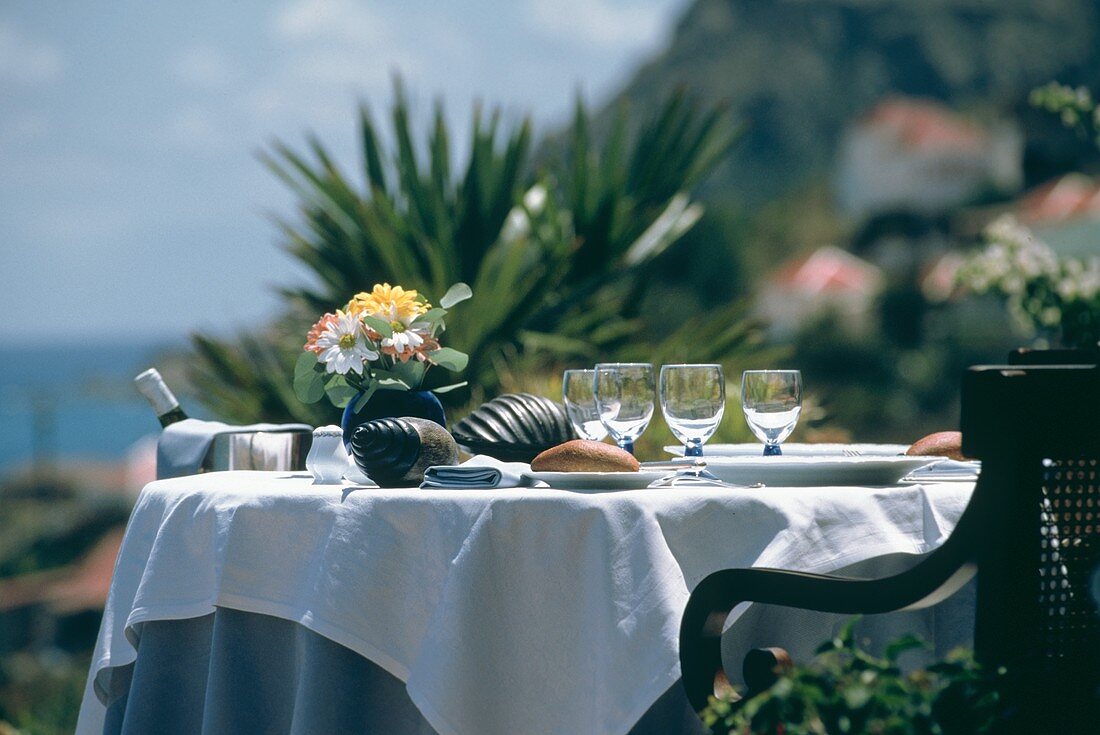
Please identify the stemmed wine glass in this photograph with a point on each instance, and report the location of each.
(577, 388)
(772, 400)
(693, 399)
(624, 398)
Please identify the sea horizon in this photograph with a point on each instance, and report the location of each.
(76, 402)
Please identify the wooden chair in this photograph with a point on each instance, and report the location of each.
(1031, 530)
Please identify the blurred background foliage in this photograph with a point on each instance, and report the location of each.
(48, 524)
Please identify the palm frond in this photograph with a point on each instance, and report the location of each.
(558, 274)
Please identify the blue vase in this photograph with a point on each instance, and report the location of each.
(386, 404)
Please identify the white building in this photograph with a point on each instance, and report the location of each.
(828, 281)
(917, 156)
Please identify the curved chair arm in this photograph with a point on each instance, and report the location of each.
(934, 579)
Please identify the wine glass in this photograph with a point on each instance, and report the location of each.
(772, 400)
(624, 398)
(580, 403)
(693, 399)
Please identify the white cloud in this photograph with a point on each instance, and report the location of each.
(334, 46)
(340, 49)
(24, 60)
(607, 24)
(204, 67)
(199, 128)
(329, 20)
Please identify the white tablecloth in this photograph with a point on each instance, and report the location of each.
(504, 611)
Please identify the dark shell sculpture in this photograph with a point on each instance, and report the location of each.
(395, 452)
(514, 427)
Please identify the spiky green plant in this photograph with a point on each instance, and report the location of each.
(557, 254)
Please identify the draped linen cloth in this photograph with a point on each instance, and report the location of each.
(523, 610)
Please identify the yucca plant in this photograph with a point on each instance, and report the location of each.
(629, 202)
(556, 253)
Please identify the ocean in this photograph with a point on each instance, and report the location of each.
(77, 402)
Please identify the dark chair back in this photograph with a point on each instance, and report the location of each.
(1031, 356)
(1037, 431)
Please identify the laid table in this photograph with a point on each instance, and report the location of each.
(240, 596)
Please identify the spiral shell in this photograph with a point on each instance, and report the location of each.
(395, 452)
(515, 427)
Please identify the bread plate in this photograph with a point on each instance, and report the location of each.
(598, 481)
(793, 471)
(794, 449)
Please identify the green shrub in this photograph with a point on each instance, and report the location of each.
(845, 690)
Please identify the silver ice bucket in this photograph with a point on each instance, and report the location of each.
(280, 451)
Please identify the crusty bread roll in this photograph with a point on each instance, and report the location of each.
(941, 444)
(583, 455)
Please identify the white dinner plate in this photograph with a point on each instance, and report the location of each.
(598, 481)
(795, 450)
(792, 471)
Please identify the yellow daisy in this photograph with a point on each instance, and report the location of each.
(388, 302)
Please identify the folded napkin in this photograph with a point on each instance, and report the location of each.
(946, 470)
(479, 471)
(182, 446)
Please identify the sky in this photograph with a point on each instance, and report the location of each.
(132, 204)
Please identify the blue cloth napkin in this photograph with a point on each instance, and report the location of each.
(479, 471)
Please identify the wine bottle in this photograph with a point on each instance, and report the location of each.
(151, 385)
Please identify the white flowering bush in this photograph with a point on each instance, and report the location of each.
(1045, 292)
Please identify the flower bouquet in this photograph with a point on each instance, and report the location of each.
(382, 340)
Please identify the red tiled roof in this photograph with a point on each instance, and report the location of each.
(923, 124)
(82, 585)
(1064, 198)
(828, 270)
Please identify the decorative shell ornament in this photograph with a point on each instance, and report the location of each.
(514, 427)
(395, 452)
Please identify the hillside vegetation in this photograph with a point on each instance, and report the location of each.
(796, 71)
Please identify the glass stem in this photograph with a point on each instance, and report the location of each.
(693, 448)
(772, 450)
(627, 444)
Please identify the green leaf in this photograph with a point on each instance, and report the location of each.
(390, 384)
(901, 645)
(455, 294)
(340, 392)
(379, 325)
(411, 373)
(432, 315)
(366, 396)
(449, 388)
(306, 363)
(449, 358)
(309, 384)
(388, 377)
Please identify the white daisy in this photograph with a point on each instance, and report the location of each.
(344, 346)
(408, 334)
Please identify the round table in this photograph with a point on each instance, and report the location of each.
(488, 611)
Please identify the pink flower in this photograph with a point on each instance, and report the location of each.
(323, 324)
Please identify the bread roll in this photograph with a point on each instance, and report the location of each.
(583, 455)
(941, 444)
